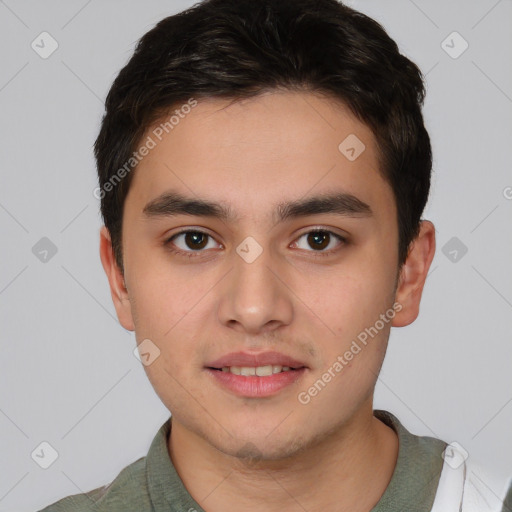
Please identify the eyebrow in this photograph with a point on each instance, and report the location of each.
(172, 203)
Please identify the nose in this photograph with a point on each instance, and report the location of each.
(256, 296)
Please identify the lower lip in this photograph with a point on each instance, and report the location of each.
(256, 387)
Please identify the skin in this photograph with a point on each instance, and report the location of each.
(253, 454)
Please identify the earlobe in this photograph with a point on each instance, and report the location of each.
(118, 291)
(413, 275)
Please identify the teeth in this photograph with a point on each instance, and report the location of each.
(264, 371)
(260, 371)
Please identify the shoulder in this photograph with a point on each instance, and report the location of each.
(127, 491)
(468, 485)
(485, 489)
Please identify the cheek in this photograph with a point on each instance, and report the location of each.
(170, 307)
(167, 316)
(165, 296)
(346, 301)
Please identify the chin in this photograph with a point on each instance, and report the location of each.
(254, 449)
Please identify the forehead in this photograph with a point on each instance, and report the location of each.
(253, 153)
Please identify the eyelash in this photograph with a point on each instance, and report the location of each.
(193, 254)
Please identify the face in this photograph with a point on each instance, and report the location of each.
(229, 249)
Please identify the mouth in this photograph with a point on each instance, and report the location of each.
(258, 371)
(263, 363)
(255, 375)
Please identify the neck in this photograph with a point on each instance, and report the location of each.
(349, 470)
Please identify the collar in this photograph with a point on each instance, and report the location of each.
(414, 480)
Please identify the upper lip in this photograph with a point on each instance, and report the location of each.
(254, 360)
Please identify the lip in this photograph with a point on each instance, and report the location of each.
(253, 360)
(255, 387)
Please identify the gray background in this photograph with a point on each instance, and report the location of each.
(68, 375)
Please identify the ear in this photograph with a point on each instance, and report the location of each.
(116, 281)
(413, 274)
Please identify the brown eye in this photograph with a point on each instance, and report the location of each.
(321, 241)
(195, 239)
(190, 242)
(318, 239)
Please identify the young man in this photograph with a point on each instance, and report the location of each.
(263, 170)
